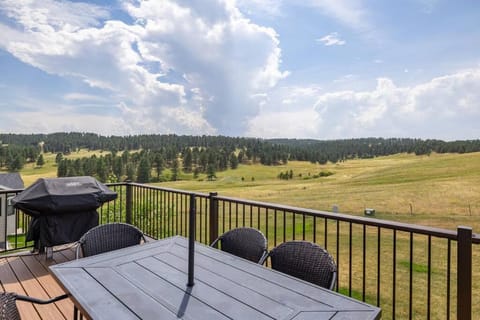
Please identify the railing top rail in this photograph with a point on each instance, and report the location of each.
(141, 185)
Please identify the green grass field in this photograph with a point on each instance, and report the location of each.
(31, 172)
(438, 190)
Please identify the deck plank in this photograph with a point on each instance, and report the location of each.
(10, 283)
(52, 288)
(28, 274)
(33, 288)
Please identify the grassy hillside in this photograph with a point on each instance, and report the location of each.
(30, 173)
(441, 189)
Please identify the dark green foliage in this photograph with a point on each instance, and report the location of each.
(40, 160)
(62, 168)
(143, 172)
(233, 161)
(200, 154)
(187, 160)
(211, 175)
(59, 157)
(175, 169)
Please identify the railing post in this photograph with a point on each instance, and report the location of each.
(129, 202)
(213, 217)
(464, 273)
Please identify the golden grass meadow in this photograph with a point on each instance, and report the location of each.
(440, 190)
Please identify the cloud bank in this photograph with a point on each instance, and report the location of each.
(178, 67)
(445, 107)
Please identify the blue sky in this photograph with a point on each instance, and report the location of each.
(322, 69)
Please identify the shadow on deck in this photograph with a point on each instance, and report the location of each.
(28, 274)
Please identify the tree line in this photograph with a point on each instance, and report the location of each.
(150, 165)
(144, 158)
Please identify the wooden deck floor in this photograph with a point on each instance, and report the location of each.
(28, 274)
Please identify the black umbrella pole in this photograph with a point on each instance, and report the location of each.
(191, 241)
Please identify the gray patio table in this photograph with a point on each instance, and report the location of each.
(148, 281)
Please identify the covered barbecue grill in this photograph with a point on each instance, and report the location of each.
(62, 209)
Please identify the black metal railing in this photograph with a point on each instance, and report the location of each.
(410, 271)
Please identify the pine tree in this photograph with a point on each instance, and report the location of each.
(233, 161)
(102, 172)
(58, 157)
(174, 170)
(211, 172)
(40, 160)
(187, 160)
(62, 168)
(143, 172)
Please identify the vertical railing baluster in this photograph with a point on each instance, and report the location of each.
(303, 227)
(243, 215)
(410, 280)
(236, 214)
(258, 218)
(293, 225)
(251, 216)
(325, 233)
(275, 227)
(213, 213)
(129, 202)
(394, 287)
(229, 215)
(378, 264)
(350, 260)
(177, 212)
(266, 223)
(449, 272)
(429, 275)
(338, 254)
(364, 264)
(223, 216)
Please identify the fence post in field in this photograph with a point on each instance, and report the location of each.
(129, 202)
(464, 273)
(213, 216)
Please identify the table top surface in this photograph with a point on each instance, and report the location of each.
(148, 281)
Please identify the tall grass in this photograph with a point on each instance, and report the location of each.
(437, 190)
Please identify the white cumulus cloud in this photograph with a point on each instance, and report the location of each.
(187, 66)
(446, 107)
(332, 39)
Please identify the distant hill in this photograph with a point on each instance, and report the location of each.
(199, 154)
(298, 148)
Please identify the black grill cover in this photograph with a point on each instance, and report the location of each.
(63, 209)
(57, 196)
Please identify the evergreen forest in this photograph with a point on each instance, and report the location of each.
(143, 158)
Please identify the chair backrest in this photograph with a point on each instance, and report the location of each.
(8, 306)
(244, 242)
(304, 260)
(108, 237)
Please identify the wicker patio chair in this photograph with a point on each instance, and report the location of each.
(304, 260)
(108, 237)
(244, 242)
(8, 305)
